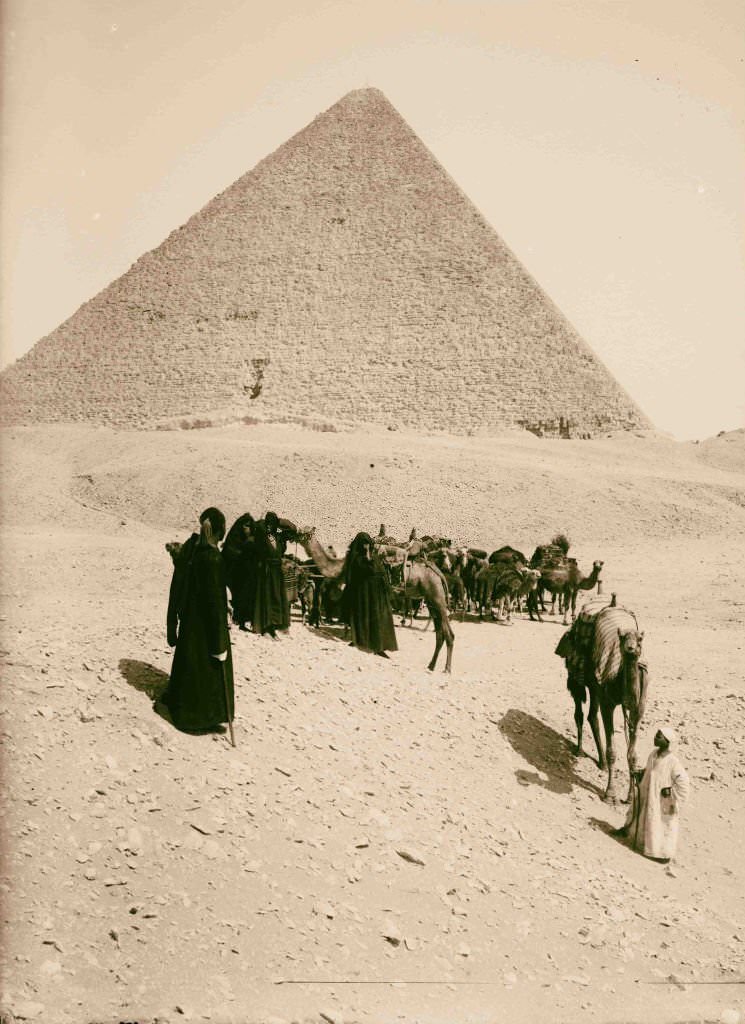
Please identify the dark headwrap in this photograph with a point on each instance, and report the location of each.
(236, 535)
(216, 519)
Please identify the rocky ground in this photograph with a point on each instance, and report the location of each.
(383, 844)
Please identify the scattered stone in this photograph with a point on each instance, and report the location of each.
(201, 827)
(412, 858)
(324, 910)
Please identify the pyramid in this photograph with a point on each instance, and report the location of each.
(346, 276)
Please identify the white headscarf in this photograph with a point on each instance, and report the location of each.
(669, 734)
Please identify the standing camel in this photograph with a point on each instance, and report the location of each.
(419, 580)
(602, 653)
(576, 581)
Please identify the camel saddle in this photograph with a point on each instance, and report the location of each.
(575, 642)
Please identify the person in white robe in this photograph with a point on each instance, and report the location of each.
(653, 820)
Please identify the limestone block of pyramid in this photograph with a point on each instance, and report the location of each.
(345, 276)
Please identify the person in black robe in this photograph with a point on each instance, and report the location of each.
(200, 690)
(271, 610)
(367, 603)
(239, 555)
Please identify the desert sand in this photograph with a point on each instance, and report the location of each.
(384, 843)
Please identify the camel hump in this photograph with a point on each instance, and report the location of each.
(590, 609)
(607, 646)
(616, 617)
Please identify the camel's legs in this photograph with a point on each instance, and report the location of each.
(607, 709)
(579, 719)
(592, 718)
(532, 603)
(443, 634)
(449, 640)
(439, 638)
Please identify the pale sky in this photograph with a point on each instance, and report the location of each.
(604, 140)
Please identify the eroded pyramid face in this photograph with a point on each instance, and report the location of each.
(346, 276)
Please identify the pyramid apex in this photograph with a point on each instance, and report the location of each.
(367, 98)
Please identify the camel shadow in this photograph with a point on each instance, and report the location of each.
(610, 831)
(546, 750)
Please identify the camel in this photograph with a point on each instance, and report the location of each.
(602, 652)
(475, 562)
(578, 581)
(500, 583)
(552, 560)
(420, 580)
(563, 581)
(507, 555)
(520, 584)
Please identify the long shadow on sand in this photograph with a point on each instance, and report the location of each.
(150, 680)
(145, 678)
(610, 831)
(153, 681)
(329, 631)
(546, 750)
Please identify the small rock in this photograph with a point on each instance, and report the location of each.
(324, 910)
(412, 858)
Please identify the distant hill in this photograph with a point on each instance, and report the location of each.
(726, 450)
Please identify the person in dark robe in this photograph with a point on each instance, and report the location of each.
(367, 603)
(271, 608)
(200, 690)
(239, 555)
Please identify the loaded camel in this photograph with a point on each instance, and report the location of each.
(564, 581)
(419, 581)
(602, 652)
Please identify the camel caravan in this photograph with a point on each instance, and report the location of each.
(601, 648)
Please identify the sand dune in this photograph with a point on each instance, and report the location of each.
(384, 843)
